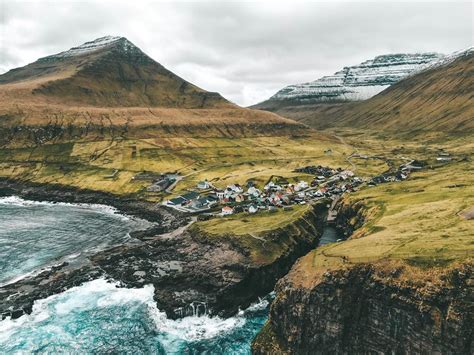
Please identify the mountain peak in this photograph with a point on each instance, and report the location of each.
(102, 43)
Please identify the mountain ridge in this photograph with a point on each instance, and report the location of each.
(352, 83)
(110, 85)
(438, 97)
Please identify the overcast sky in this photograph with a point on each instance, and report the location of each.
(246, 50)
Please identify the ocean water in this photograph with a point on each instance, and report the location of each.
(35, 235)
(98, 316)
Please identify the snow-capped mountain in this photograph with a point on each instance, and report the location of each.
(358, 82)
(110, 71)
(102, 43)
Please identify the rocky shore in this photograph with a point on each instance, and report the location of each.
(191, 271)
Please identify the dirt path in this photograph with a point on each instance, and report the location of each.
(174, 233)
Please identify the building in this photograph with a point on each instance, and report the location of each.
(160, 185)
(203, 185)
(302, 185)
(227, 210)
(253, 191)
(253, 209)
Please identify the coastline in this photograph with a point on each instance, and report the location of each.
(184, 269)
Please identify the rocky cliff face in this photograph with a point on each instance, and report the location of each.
(354, 83)
(371, 310)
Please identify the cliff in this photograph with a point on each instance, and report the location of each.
(371, 309)
(401, 284)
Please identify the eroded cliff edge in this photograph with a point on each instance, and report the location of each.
(335, 305)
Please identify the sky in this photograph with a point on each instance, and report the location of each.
(245, 50)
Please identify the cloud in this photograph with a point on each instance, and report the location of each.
(244, 50)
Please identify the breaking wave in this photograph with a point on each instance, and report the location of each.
(101, 317)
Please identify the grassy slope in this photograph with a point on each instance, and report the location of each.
(220, 160)
(242, 224)
(418, 223)
(266, 235)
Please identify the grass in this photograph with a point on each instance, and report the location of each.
(257, 233)
(417, 222)
(254, 224)
(220, 160)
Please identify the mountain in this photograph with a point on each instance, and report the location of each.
(355, 83)
(110, 85)
(437, 98)
(111, 71)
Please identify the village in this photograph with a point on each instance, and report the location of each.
(277, 193)
(208, 200)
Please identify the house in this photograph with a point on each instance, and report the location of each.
(253, 191)
(239, 198)
(270, 186)
(203, 185)
(290, 189)
(253, 209)
(199, 203)
(227, 210)
(190, 195)
(220, 194)
(235, 188)
(228, 193)
(302, 185)
(178, 201)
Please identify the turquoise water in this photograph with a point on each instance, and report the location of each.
(98, 317)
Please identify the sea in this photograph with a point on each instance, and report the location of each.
(99, 316)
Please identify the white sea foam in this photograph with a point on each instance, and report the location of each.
(105, 209)
(100, 293)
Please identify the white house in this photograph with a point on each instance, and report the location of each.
(302, 185)
(253, 191)
(203, 185)
(220, 194)
(269, 186)
(235, 188)
(227, 210)
(253, 209)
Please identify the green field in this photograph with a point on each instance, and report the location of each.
(222, 161)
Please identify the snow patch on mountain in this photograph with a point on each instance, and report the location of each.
(445, 60)
(359, 82)
(92, 46)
